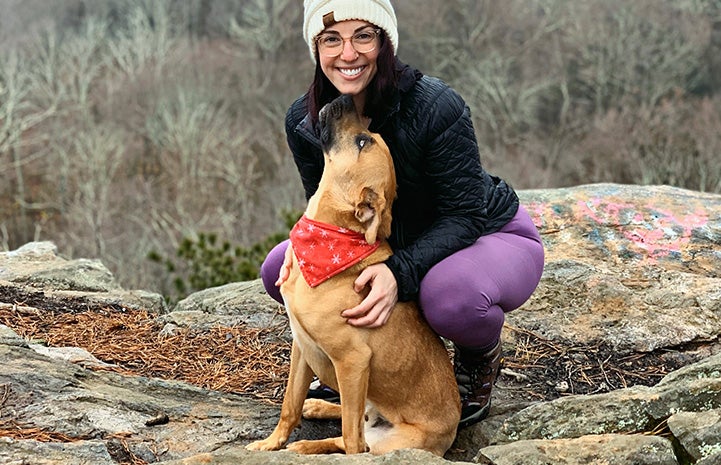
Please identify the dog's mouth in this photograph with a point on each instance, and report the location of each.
(331, 115)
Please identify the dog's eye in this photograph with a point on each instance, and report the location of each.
(362, 140)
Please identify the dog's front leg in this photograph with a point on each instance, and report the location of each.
(352, 374)
(299, 380)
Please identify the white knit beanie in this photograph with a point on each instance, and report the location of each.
(377, 12)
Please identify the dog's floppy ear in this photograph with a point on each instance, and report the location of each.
(370, 210)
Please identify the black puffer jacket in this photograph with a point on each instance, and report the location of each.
(445, 199)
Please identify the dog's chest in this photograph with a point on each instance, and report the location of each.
(310, 349)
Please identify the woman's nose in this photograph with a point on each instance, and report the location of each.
(349, 53)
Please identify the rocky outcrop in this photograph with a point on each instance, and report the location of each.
(614, 360)
(632, 410)
(607, 449)
(38, 267)
(104, 409)
(699, 433)
(230, 305)
(617, 255)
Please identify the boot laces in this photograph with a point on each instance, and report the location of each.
(469, 378)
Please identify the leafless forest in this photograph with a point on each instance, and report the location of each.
(128, 125)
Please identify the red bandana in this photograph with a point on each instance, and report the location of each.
(324, 250)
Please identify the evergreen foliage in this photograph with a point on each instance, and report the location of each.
(205, 261)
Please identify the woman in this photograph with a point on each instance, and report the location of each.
(463, 248)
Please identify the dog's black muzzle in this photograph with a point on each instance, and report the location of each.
(331, 115)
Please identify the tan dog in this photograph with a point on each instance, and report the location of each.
(401, 371)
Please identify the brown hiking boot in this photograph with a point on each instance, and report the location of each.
(476, 373)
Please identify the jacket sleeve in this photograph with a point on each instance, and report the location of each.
(453, 172)
(308, 159)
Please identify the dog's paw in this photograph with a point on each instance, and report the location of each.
(265, 444)
(299, 447)
(315, 447)
(318, 409)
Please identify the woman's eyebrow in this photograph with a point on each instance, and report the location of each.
(363, 27)
(331, 31)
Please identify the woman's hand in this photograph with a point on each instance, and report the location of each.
(285, 267)
(376, 308)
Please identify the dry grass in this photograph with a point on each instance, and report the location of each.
(238, 359)
(552, 369)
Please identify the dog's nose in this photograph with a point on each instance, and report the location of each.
(336, 109)
(330, 114)
(345, 102)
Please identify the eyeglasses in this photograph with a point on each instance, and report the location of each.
(330, 44)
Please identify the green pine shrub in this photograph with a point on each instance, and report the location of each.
(205, 261)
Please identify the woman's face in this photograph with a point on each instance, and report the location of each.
(350, 72)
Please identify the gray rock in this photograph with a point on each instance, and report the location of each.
(27, 258)
(32, 252)
(118, 298)
(237, 456)
(77, 275)
(9, 337)
(245, 299)
(38, 264)
(232, 304)
(699, 433)
(37, 270)
(58, 396)
(714, 459)
(48, 453)
(601, 449)
(70, 354)
(616, 254)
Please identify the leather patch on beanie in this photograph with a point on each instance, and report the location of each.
(329, 19)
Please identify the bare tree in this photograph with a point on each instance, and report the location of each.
(146, 39)
(634, 50)
(19, 116)
(92, 162)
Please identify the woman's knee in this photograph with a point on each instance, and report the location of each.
(450, 303)
(270, 269)
(467, 320)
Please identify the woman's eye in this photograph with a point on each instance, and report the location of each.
(330, 40)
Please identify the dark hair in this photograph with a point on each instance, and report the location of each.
(378, 92)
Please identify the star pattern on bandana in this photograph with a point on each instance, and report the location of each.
(324, 250)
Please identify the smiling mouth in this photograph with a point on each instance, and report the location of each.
(351, 71)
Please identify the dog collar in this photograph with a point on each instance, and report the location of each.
(324, 250)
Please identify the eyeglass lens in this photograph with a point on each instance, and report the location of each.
(331, 44)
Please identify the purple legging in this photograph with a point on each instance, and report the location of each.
(464, 297)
